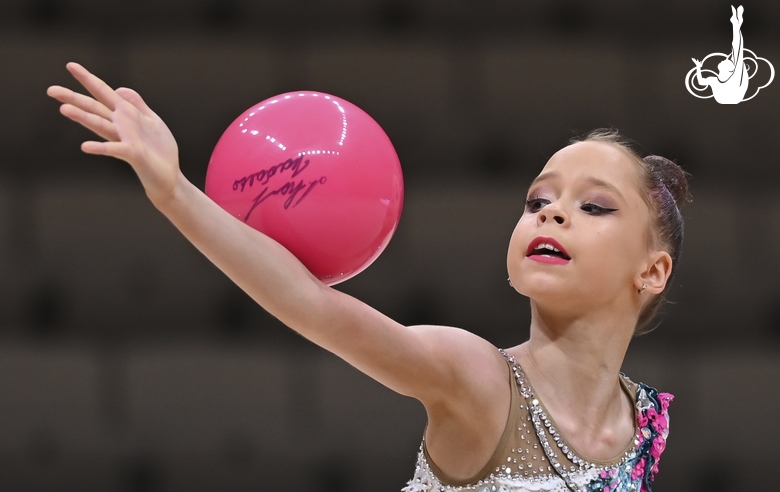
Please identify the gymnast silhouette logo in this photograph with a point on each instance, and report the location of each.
(735, 70)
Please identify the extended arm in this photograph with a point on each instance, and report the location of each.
(433, 364)
(701, 80)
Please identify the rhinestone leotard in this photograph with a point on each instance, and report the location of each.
(532, 456)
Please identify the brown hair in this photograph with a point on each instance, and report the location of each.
(664, 187)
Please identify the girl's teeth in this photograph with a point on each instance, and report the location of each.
(548, 246)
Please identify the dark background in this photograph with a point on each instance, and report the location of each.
(129, 363)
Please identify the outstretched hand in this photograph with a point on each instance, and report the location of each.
(132, 131)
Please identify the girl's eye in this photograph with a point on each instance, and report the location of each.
(534, 204)
(593, 209)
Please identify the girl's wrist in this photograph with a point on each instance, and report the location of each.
(170, 199)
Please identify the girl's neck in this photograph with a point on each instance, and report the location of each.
(573, 366)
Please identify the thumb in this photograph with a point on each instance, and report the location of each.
(135, 99)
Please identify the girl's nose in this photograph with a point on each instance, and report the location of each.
(552, 212)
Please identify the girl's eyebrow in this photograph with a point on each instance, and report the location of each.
(592, 180)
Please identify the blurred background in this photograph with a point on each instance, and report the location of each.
(129, 363)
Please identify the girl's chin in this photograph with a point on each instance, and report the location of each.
(553, 292)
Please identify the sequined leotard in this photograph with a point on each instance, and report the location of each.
(532, 456)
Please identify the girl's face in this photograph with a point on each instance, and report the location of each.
(587, 201)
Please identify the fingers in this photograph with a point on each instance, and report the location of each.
(86, 103)
(99, 89)
(135, 99)
(105, 115)
(105, 99)
(111, 149)
(99, 125)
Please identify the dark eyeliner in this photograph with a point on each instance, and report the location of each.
(598, 209)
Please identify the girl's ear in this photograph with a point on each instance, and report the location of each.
(657, 272)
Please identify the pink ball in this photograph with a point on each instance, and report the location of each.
(315, 173)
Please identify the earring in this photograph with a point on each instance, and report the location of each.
(510, 282)
(644, 286)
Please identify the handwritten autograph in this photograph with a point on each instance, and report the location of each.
(291, 189)
(263, 176)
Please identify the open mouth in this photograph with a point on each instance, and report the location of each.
(547, 247)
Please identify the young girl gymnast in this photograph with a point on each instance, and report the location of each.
(594, 251)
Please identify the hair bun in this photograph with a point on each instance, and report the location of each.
(671, 175)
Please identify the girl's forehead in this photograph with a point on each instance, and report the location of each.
(592, 159)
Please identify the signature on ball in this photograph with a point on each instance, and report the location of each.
(263, 176)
